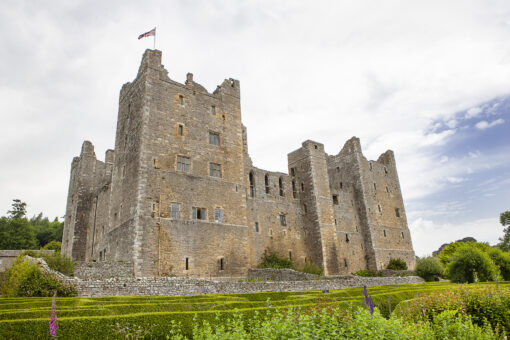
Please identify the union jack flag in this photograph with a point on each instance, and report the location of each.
(147, 34)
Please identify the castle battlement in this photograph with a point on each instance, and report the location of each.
(179, 194)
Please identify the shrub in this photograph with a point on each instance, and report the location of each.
(26, 279)
(397, 264)
(53, 245)
(367, 273)
(502, 261)
(274, 260)
(312, 268)
(429, 268)
(470, 265)
(447, 253)
(60, 263)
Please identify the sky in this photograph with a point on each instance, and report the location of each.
(429, 80)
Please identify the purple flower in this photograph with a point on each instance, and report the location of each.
(53, 317)
(368, 300)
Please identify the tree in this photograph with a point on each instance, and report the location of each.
(470, 265)
(16, 233)
(504, 219)
(19, 209)
(447, 253)
(429, 268)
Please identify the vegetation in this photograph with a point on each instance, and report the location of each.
(26, 279)
(312, 268)
(18, 232)
(104, 317)
(367, 273)
(397, 264)
(471, 265)
(274, 260)
(504, 219)
(429, 268)
(447, 254)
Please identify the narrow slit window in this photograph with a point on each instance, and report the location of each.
(402, 235)
(292, 172)
(397, 212)
(181, 99)
(370, 166)
(345, 262)
(384, 233)
(335, 199)
(379, 208)
(375, 186)
(294, 194)
(347, 238)
(222, 264)
(266, 182)
(385, 170)
(181, 129)
(213, 110)
(387, 190)
(341, 185)
(256, 227)
(290, 254)
(302, 187)
(187, 263)
(305, 208)
(252, 184)
(280, 184)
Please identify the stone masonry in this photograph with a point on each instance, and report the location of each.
(179, 195)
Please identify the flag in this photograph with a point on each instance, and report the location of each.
(147, 34)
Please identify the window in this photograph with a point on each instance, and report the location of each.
(370, 164)
(156, 164)
(183, 163)
(181, 99)
(341, 185)
(252, 184)
(123, 171)
(213, 110)
(305, 208)
(379, 208)
(175, 211)
(214, 138)
(104, 254)
(397, 212)
(283, 221)
(280, 184)
(402, 235)
(385, 170)
(198, 213)
(270, 232)
(256, 227)
(292, 172)
(181, 129)
(290, 254)
(266, 182)
(345, 262)
(294, 189)
(187, 264)
(375, 186)
(336, 221)
(387, 190)
(302, 187)
(222, 264)
(335, 199)
(100, 256)
(218, 215)
(384, 233)
(215, 170)
(347, 238)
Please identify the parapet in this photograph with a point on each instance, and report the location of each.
(87, 149)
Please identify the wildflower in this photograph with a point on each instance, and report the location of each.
(53, 318)
(368, 300)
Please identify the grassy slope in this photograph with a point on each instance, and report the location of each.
(85, 318)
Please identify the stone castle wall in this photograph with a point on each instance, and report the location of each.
(180, 147)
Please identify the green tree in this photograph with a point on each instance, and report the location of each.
(470, 265)
(450, 250)
(504, 219)
(429, 268)
(502, 260)
(16, 233)
(19, 209)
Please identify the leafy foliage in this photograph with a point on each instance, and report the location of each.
(312, 268)
(25, 279)
(367, 273)
(397, 264)
(470, 265)
(502, 261)
(447, 254)
(61, 263)
(504, 219)
(429, 268)
(274, 260)
(53, 245)
(19, 209)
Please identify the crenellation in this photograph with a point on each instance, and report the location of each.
(179, 194)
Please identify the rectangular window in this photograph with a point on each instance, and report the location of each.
(283, 221)
(213, 110)
(181, 129)
(292, 172)
(187, 263)
(175, 211)
(218, 215)
(183, 163)
(123, 171)
(181, 99)
(222, 264)
(214, 138)
(198, 213)
(256, 227)
(335, 199)
(397, 212)
(215, 170)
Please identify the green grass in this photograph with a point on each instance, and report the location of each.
(84, 318)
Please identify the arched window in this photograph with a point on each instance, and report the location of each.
(266, 182)
(280, 184)
(252, 184)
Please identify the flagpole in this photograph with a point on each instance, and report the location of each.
(154, 46)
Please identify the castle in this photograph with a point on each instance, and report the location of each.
(180, 196)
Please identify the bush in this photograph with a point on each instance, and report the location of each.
(447, 253)
(502, 261)
(471, 265)
(274, 260)
(26, 279)
(367, 273)
(53, 245)
(397, 264)
(429, 268)
(312, 268)
(60, 263)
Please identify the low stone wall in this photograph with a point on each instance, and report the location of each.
(103, 270)
(7, 257)
(279, 275)
(172, 286)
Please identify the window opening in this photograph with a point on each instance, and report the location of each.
(221, 264)
(256, 227)
(385, 170)
(397, 212)
(294, 195)
(100, 256)
(183, 163)
(335, 222)
(175, 211)
(305, 208)
(215, 170)
(214, 138)
(387, 190)
(181, 99)
(290, 254)
(302, 187)
(266, 182)
(181, 129)
(292, 172)
(198, 213)
(379, 208)
(345, 262)
(402, 234)
(347, 238)
(341, 185)
(283, 221)
(218, 215)
(335, 199)
(252, 184)
(213, 110)
(375, 186)
(187, 263)
(384, 232)
(370, 166)
(123, 171)
(280, 184)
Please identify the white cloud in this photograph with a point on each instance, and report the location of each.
(473, 112)
(455, 180)
(482, 125)
(429, 236)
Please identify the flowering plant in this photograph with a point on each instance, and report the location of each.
(53, 317)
